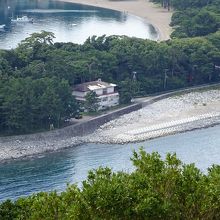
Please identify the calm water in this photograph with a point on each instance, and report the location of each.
(53, 171)
(69, 22)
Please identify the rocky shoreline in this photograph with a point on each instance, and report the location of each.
(168, 116)
(172, 115)
(126, 138)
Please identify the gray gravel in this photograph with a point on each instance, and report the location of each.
(168, 116)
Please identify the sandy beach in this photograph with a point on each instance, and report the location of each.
(160, 18)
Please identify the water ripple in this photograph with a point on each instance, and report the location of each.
(48, 11)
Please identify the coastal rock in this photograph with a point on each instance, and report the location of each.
(167, 116)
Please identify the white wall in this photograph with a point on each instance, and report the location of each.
(108, 100)
(110, 90)
(99, 91)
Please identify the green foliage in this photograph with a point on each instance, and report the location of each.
(195, 18)
(127, 90)
(28, 104)
(8, 210)
(156, 189)
(195, 22)
(36, 78)
(91, 103)
(184, 4)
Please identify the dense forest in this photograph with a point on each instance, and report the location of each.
(193, 17)
(156, 189)
(37, 77)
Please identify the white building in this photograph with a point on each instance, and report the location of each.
(106, 93)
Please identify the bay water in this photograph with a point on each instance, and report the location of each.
(53, 171)
(69, 22)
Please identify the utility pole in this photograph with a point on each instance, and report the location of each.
(216, 67)
(133, 84)
(194, 72)
(90, 69)
(165, 78)
(134, 77)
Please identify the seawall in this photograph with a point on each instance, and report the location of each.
(79, 129)
(14, 147)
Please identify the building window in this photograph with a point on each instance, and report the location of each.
(104, 91)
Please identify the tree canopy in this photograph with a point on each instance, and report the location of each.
(156, 189)
(193, 18)
(37, 78)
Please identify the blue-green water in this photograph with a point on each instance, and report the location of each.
(70, 22)
(53, 171)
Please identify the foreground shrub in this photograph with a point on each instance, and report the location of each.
(156, 189)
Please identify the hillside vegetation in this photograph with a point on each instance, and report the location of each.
(36, 78)
(193, 17)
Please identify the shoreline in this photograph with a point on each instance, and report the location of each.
(157, 16)
(85, 140)
(178, 129)
(167, 116)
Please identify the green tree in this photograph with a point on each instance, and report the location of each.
(156, 189)
(127, 90)
(34, 46)
(91, 102)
